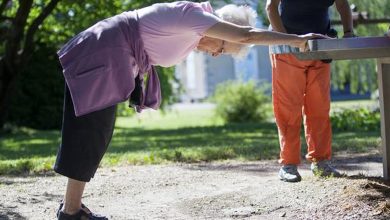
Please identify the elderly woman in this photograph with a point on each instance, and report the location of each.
(106, 64)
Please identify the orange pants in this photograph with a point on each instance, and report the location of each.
(301, 89)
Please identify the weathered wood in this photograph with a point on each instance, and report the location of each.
(346, 48)
(384, 98)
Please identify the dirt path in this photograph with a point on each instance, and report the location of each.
(229, 190)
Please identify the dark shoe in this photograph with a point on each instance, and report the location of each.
(324, 169)
(289, 173)
(83, 214)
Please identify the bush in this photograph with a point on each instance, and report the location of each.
(39, 92)
(241, 102)
(356, 120)
(123, 110)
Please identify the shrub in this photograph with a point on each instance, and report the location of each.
(123, 110)
(241, 102)
(38, 98)
(170, 91)
(356, 120)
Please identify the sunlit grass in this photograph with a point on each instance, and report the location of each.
(171, 119)
(354, 104)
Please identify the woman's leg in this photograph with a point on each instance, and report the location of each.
(84, 141)
(72, 200)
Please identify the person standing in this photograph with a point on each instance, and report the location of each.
(301, 89)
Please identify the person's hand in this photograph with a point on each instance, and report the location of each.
(303, 47)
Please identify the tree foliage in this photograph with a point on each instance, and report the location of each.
(37, 101)
(31, 28)
(19, 23)
(361, 74)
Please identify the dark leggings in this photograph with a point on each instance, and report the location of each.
(84, 141)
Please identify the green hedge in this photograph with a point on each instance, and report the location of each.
(38, 98)
(361, 119)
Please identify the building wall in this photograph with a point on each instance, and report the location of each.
(218, 70)
(192, 76)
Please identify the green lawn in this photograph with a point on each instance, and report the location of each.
(191, 135)
(337, 105)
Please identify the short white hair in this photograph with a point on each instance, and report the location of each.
(240, 15)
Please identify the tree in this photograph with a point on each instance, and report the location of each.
(29, 26)
(361, 74)
(18, 28)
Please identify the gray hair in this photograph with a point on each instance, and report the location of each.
(240, 15)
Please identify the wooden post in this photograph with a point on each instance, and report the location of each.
(384, 99)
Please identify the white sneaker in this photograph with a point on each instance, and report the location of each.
(289, 173)
(324, 168)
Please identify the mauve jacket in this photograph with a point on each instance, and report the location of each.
(100, 64)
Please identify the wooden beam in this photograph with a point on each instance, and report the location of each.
(384, 99)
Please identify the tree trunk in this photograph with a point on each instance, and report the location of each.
(17, 55)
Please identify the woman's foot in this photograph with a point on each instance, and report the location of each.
(83, 214)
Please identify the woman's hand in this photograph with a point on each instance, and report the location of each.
(302, 42)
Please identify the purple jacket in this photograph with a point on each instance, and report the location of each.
(100, 64)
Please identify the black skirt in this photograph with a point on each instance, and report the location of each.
(84, 141)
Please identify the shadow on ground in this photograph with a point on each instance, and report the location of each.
(7, 213)
(349, 162)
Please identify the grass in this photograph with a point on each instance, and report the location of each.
(337, 105)
(190, 135)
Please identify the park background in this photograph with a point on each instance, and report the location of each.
(231, 120)
(224, 116)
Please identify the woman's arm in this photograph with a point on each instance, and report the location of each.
(248, 35)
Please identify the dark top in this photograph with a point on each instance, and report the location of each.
(305, 16)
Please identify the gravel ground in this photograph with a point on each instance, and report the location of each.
(223, 190)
